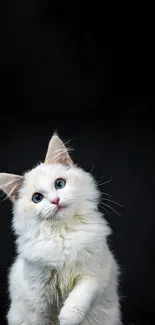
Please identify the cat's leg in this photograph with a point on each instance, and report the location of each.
(16, 315)
(29, 305)
(103, 314)
(111, 319)
(110, 316)
(22, 314)
(79, 301)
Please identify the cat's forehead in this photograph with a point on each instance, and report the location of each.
(44, 175)
(46, 171)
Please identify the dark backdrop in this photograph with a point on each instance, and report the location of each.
(60, 70)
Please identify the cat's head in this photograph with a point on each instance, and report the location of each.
(55, 189)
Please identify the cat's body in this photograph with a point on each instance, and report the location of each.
(64, 272)
(44, 285)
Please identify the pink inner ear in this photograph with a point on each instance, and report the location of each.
(57, 152)
(11, 184)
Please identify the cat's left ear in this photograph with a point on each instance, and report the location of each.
(57, 152)
(10, 185)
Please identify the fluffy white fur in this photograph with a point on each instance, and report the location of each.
(64, 272)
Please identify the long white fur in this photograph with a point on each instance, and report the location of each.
(64, 272)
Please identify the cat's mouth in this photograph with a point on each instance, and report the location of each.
(55, 212)
(60, 207)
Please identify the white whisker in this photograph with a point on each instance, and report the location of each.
(103, 208)
(105, 193)
(112, 202)
(106, 182)
(110, 208)
(90, 165)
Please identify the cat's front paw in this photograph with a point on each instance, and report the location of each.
(71, 316)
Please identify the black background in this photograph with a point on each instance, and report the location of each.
(61, 71)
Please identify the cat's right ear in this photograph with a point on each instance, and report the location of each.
(57, 152)
(10, 185)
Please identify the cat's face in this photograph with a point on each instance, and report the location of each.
(55, 189)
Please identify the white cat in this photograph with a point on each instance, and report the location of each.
(64, 272)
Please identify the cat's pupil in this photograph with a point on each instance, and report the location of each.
(60, 183)
(37, 197)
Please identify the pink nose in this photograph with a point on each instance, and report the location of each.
(56, 201)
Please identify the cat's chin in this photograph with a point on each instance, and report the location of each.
(64, 212)
(60, 211)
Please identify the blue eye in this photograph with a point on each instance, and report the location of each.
(59, 183)
(37, 197)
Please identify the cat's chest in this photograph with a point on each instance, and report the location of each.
(70, 250)
(62, 281)
(67, 246)
(68, 256)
